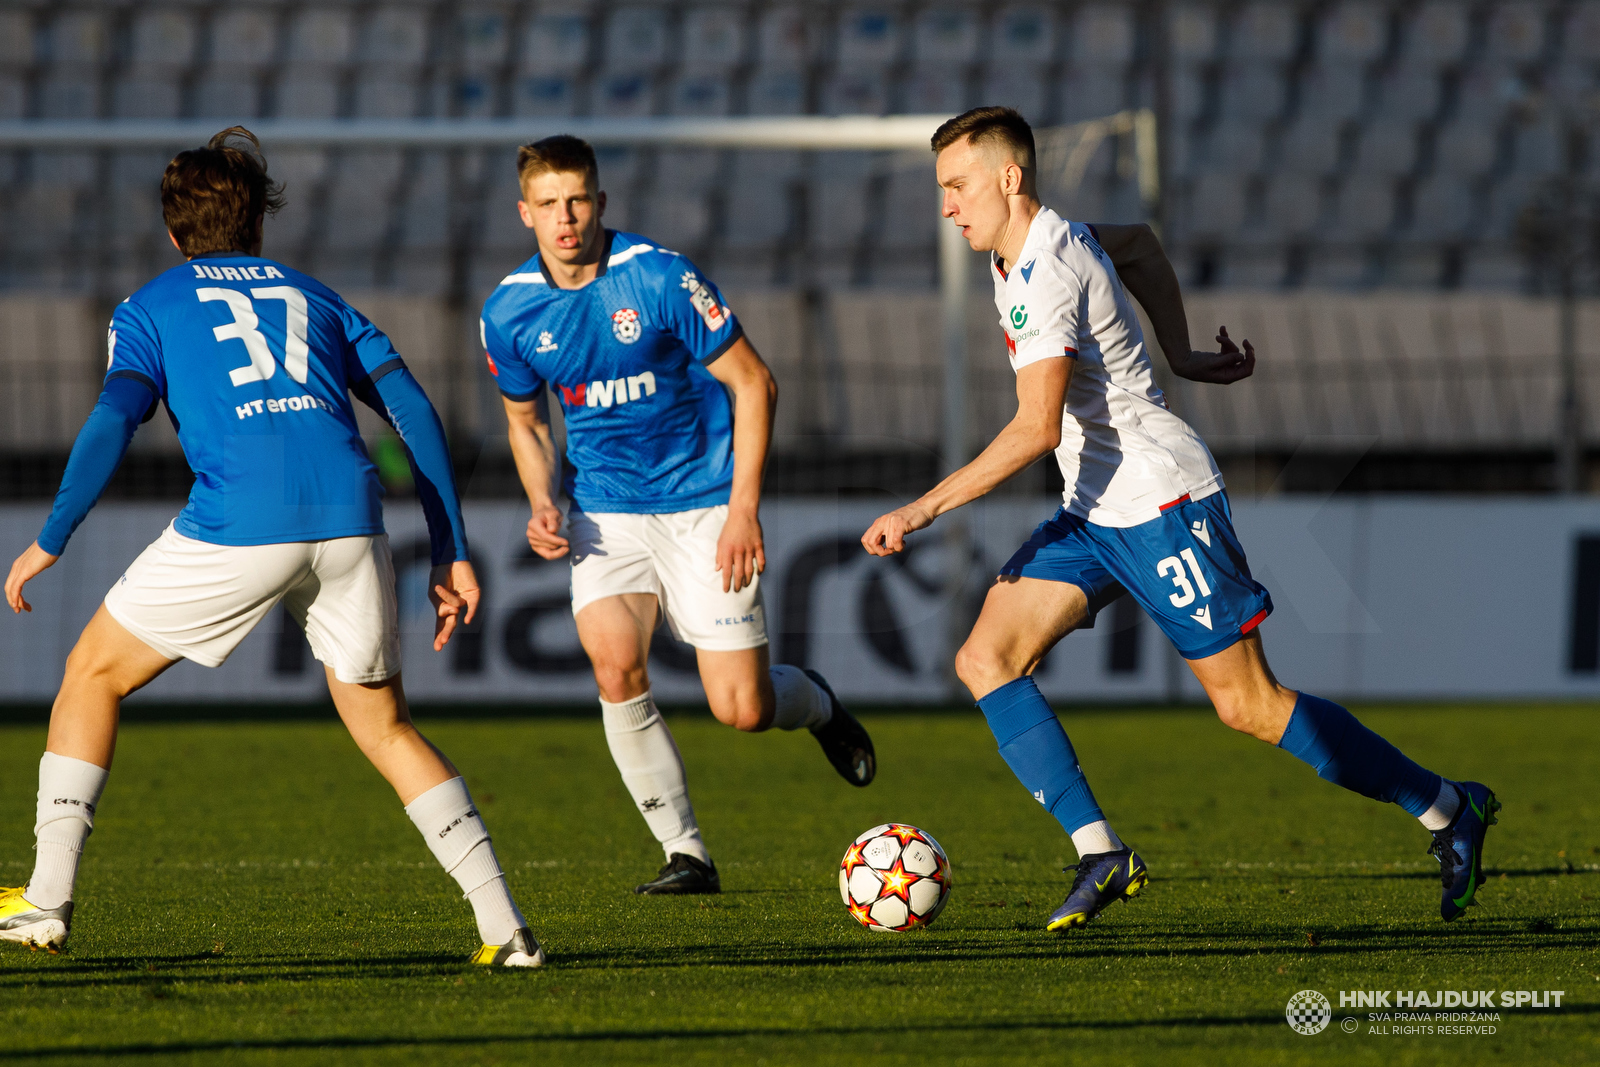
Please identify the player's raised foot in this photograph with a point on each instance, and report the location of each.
(1101, 880)
(1459, 848)
(521, 951)
(28, 924)
(844, 740)
(683, 874)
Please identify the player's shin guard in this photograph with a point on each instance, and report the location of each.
(652, 769)
(69, 790)
(1036, 748)
(455, 833)
(1346, 753)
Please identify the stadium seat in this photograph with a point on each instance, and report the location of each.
(678, 221)
(13, 97)
(700, 93)
(1333, 90)
(243, 37)
(321, 36)
(1091, 91)
(302, 172)
(758, 209)
(1215, 207)
(1309, 147)
(623, 94)
(1387, 146)
(850, 91)
(69, 96)
(1364, 208)
(482, 37)
(79, 38)
(1538, 150)
(934, 90)
(1487, 92)
(395, 38)
(1516, 31)
(1100, 35)
(1022, 35)
(16, 41)
(554, 44)
(839, 202)
(382, 95)
(1293, 206)
(783, 39)
(945, 36)
(1507, 199)
(1441, 208)
(468, 94)
(1414, 93)
(1265, 31)
(1255, 91)
(308, 93)
(1437, 34)
(1192, 33)
(1022, 87)
(544, 95)
(162, 47)
(1352, 31)
(714, 39)
(868, 37)
(777, 92)
(1233, 148)
(143, 94)
(636, 40)
(1465, 148)
(1580, 34)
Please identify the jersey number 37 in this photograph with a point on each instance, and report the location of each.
(245, 327)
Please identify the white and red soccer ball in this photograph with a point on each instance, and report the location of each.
(894, 878)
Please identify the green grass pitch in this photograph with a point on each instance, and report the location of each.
(254, 894)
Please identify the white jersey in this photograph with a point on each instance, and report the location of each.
(1124, 456)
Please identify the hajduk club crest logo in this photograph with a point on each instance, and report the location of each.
(625, 324)
(1308, 1012)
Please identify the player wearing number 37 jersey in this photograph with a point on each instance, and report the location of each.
(1144, 514)
(255, 363)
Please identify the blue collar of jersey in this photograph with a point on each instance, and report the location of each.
(605, 261)
(235, 254)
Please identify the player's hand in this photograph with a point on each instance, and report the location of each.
(1224, 367)
(27, 567)
(453, 591)
(741, 554)
(544, 533)
(887, 535)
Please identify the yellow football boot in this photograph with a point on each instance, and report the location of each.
(521, 951)
(23, 922)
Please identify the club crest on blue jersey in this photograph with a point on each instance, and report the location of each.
(625, 324)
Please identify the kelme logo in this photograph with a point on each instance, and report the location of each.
(1019, 316)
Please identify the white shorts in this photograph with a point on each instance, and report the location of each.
(673, 556)
(193, 600)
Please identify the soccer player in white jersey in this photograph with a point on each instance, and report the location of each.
(1144, 512)
(664, 482)
(255, 363)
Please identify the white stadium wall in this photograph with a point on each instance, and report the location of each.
(1376, 598)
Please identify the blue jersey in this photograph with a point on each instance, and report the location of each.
(649, 430)
(255, 362)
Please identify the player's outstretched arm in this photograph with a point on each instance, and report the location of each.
(1146, 272)
(533, 447)
(741, 553)
(1034, 431)
(28, 566)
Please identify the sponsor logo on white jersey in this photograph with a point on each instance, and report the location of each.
(547, 342)
(625, 325)
(700, 296)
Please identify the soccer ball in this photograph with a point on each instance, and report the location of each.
(894, 878)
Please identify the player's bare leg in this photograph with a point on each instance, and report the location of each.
(437, 800)
(1021, 620)
(738, 687)
(106, 665)
(1243, 690)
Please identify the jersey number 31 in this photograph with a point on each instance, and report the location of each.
(244, 327)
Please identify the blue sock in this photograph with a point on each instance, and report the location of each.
(1346, 753)
(1036, 748)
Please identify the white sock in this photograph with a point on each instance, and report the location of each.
(652, 769)
(1444, 809)
(801, 702)
(69, 790)
(455, 833)
(1095, 838)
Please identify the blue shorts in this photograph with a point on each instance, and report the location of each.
(1186, 569)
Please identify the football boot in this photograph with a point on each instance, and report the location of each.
(521, 951)
(1459, 848)
(683, 874)
(844, 740)
(1101, 880)
(25, 923)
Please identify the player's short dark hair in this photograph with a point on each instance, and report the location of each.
(211, 197)
(989, 125)
(561, 154)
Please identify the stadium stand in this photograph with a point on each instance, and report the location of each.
(1352, 146)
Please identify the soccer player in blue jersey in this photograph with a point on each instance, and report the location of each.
(664, 479)
(1144, 512)
(255, 363)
